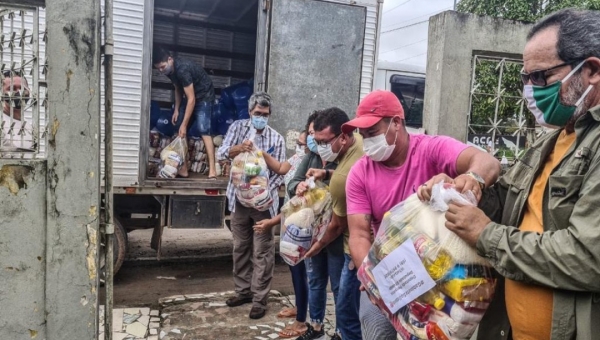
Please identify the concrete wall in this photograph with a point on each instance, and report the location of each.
(72, 241)
(22, 249)
(49, 208)
(454, 38)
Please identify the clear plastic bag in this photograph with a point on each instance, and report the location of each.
(173, 156)
(460, 286)
(305, 220)
(250, 176)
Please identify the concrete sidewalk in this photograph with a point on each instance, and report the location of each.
(205, 317)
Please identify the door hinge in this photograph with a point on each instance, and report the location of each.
(107, 228)
(266, 5)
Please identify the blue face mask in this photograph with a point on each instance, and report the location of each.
(259, 122)
(311, 144)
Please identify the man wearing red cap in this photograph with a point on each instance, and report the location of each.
(396, 166)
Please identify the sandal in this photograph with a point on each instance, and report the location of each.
(289, 332)
(287, 313)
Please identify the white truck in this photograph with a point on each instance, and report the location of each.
(308, 54)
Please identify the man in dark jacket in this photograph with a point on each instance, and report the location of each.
(544, 240)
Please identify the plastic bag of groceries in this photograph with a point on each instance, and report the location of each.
(250, 176)
(424, 278)
(172, 157)
(305, 219)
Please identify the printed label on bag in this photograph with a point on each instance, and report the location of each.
(401, 277)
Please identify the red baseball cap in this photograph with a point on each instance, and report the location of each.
(375, 106)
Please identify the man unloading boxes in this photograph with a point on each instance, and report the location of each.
(194, 97)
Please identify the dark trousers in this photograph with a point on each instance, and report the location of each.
(253, 255)
(300, 282)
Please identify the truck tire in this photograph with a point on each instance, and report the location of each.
(119, 249)
(120, 245)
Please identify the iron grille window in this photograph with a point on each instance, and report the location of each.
(22, 118)
(498, 118)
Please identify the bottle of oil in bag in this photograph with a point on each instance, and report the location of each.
(433, 298)
(437, 260)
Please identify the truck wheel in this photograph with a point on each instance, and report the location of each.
(119, 249)
(120, 245)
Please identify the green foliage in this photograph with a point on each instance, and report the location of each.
(525, 10)
(497, 90)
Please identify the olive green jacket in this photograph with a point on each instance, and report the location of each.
(566, 256)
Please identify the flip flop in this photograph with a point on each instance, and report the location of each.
(287, 333)
(212, 177)
(287, 313)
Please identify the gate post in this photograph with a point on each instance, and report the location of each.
(454, 39)
(73, 169)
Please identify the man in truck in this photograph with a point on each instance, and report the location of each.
(194, 97)
(253, 253)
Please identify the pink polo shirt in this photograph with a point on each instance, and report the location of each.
(373, 188)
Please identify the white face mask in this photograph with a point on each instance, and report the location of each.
(326, 153)
(377, 147)
(301, 150)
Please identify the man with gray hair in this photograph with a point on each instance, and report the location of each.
(539, 225)
(253, 253)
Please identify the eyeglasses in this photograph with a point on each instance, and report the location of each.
(331, 141)
(539, 77)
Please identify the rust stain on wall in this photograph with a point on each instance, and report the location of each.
(13, 177)
(91, 245)
(53, 130)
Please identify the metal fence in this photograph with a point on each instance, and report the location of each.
(22, 123)
(498, 119)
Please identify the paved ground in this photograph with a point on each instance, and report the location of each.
(132, 323)
(194, 262)
(204, 317)
(183, 296)
(180, 244)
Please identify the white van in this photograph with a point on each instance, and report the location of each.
(407, 82)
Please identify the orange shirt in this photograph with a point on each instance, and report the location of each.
(529, 306)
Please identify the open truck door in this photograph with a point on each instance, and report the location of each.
(315, 56)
